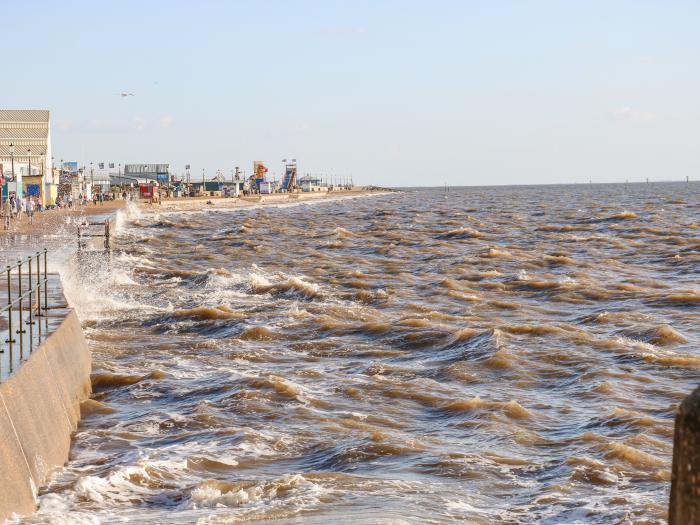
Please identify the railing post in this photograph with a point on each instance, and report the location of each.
(21, 328)
(684, 507)
(46, 285)
(10, 338)
(31, 306)
(38, 288)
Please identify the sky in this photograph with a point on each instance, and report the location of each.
(391, 93)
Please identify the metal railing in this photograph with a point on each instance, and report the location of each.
(84, 233)
(26, 301)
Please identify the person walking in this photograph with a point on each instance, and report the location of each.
(30, 210)
(20, 208)
(7, 213)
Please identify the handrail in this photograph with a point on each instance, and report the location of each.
(35, 288)
(88, 224)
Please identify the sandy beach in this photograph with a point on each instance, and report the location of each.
(198, 203)
(50, 221)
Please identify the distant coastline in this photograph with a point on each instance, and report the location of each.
(204, 203)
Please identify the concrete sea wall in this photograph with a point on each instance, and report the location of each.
(39, 411)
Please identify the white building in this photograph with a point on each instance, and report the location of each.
(310, 184)
(25, 141)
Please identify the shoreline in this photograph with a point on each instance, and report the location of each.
(182, 204)
(49, 222)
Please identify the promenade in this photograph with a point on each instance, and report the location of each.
(55, 230)
(44, 359)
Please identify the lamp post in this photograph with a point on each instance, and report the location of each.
(92, 178)
(29, 161)
(12, 160)
(42, 188)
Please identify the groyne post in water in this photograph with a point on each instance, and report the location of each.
(684, 508)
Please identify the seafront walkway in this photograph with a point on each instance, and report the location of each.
(55, 230)
(53, 238)
(23, 330)
(45, 363)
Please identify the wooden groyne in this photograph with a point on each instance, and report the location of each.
(684, 507)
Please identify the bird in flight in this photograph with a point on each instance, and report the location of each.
(125, 94)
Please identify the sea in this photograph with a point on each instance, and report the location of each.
(486, 355)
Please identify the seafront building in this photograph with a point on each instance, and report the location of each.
(25, 154)
(27, 168)
(147, 172)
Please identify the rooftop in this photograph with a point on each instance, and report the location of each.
(24, 115)
(25, 128)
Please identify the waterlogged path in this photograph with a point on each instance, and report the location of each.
(493, 355)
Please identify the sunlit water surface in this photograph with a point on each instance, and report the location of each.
(487, 355)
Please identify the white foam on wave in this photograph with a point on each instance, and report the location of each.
(129, 482)
(58, 510)
(132, 260)
(95, 304)
(464, 510)
(258, 281)
(292, 486)
(129, 213)
(121, 278)
(255, 281)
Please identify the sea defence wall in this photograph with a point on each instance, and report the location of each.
(39, 411)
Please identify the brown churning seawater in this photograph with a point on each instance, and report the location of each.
(489, 355)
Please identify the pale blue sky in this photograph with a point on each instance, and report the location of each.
(392, 92)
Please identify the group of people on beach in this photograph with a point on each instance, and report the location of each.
(66, 201)
(14, 207)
